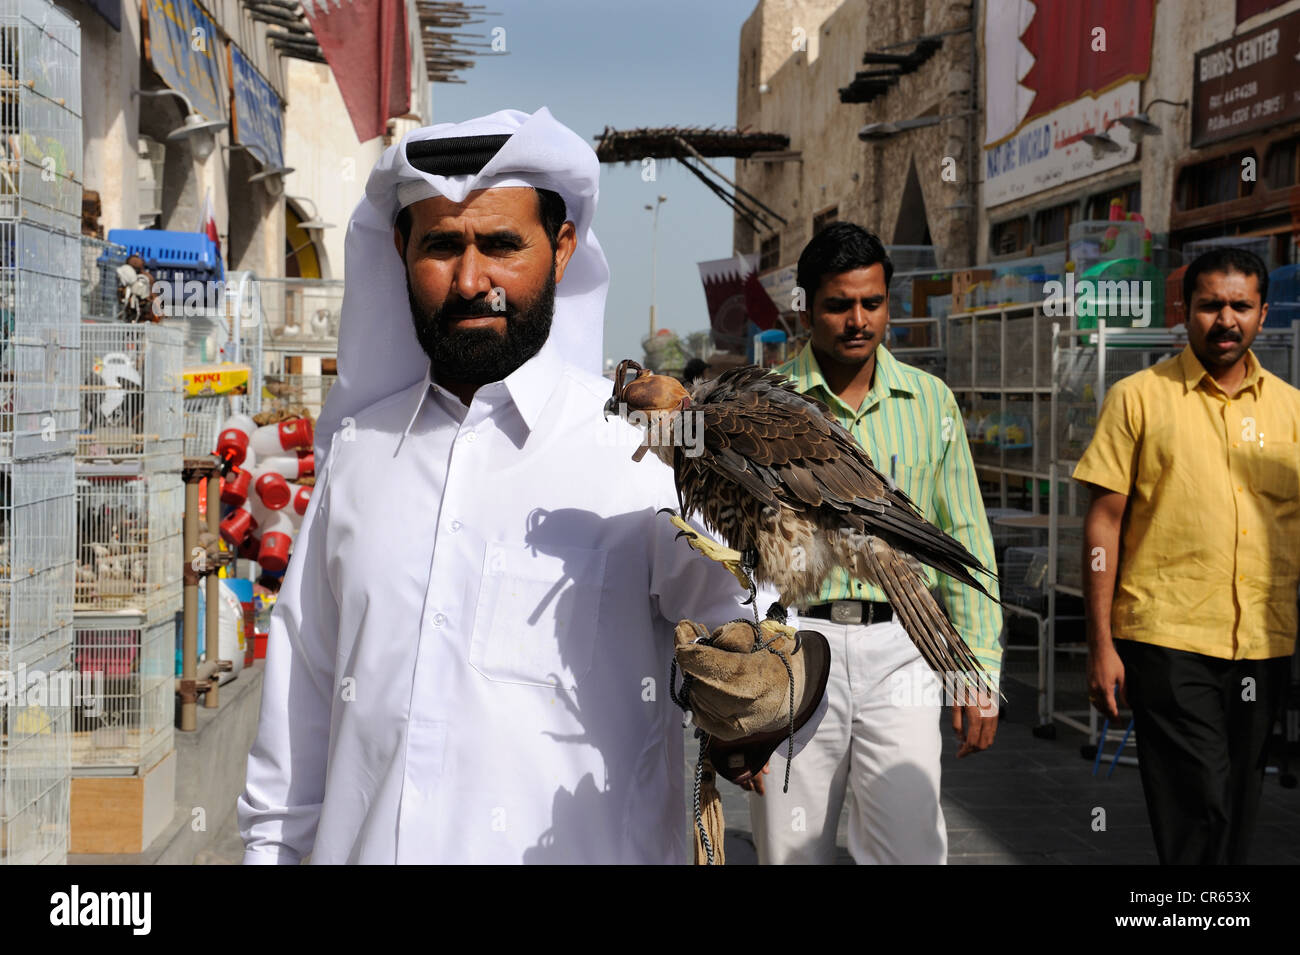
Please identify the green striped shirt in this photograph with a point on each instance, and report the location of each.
(911, 426)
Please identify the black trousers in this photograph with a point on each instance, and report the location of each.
(1202, 746)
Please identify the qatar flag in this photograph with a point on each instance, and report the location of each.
(1039, 56)
(365, 44)
(739, 306)
(208, 222)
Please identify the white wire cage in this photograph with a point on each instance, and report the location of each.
(37, 535)
(131, 395)
(124, 662)
(129, 539)
(301, 313)
(283, 392)
(40, 277)
(203, 418)
(101, 291)
(40, 115)
(40, 335)
(35, 760)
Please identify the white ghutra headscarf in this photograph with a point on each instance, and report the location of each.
(379, 354)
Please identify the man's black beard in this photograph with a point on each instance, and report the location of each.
(478, 356)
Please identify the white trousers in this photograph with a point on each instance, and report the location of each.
(879, 743)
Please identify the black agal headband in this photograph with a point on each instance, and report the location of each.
(454, 155)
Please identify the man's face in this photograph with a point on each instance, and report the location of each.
(849, 314)
(481, 276)
(1223, 317)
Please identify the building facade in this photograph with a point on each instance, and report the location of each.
(969, 126)
(802, 74)
(280, 111)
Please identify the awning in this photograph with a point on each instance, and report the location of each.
(365, 44)
(170, 39)
(256, 111)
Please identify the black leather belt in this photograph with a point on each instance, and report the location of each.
(850, 611)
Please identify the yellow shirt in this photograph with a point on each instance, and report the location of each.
(1210, 545)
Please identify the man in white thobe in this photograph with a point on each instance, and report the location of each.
(469, 655)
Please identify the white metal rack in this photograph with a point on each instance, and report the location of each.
(1086, 363)
(40, 305)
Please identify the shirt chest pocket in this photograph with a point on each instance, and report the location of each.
(1275, 470)
(537, 616)
(917, 482)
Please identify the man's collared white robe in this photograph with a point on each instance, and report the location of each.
(469, 656)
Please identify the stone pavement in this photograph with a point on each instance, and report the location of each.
(1026, 800)
(1030, 800)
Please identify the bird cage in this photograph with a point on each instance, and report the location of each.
(35, 766)
(284, 392)
(203, 418)
(40, 278)
(125, 659)
(131, 395)
(100, 261)
(37, 552)
(40, 115)
(301, 313)
(40, 334)
(129, 551)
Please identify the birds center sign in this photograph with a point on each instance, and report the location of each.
(1248, 83)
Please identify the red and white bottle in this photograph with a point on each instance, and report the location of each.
(277, 542)
(290, 435)
(290, 466)
(238, 524)
(270, 488)
(235, 438)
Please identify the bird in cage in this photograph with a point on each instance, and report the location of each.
(135, 293)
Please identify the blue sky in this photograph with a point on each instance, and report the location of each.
(624, 64)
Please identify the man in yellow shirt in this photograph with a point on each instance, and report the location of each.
(1192, 550)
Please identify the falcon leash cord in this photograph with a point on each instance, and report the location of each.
(682, 698)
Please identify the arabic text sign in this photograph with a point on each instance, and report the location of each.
(1248, 83)
(256, 118)
(183, 46)
(1050, 150)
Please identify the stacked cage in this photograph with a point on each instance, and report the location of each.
(130, 515)
(300, 322)
(104, 293)
(40, 207)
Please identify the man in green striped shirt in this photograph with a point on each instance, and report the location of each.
(880, 737)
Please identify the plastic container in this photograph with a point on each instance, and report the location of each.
(1151, 289)
(191, 253)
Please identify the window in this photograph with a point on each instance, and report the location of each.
(769, 253)
(1051, 225)
(1214, 181)
(1129, 196)
(1282, 166)
(824, 218)
(150, 157)
(1010, 236)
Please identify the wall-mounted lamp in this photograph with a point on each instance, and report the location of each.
(1138, 126)
(271, 177)
(315, 222)
(881, 131)
(201, 133)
